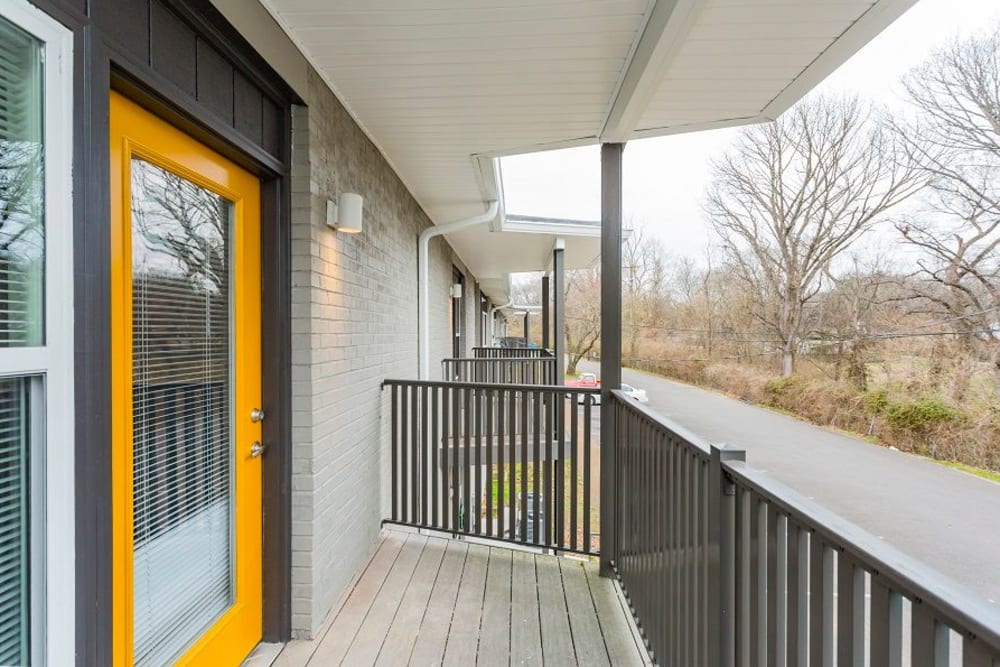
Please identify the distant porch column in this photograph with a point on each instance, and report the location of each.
(545, 313)
(559, 309)
(611, 340)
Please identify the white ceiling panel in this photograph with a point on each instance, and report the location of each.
(440, 84)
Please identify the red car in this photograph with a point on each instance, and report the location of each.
(586, 381)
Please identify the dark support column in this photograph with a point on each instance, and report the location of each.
(527, 328)
(611, 343)
(545, 313)
(559, 310)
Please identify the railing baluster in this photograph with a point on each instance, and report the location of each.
(879, 621)
(514, 465)
(525, 434)
(895, 629)
(845, 610)
(802, 608)
(829, 606)
(587, 541)
(815, 600)
(744, 578)
(487, 489)
(573, 473)
(404, 446)
(415, 515)
(784, 561)
(394, 451)
(468, 395)
(501, 472)
(975, 654)
(435, 444)
(548, 468)
(447, 438)
(765, 619)
(536, 506)
(559, 404)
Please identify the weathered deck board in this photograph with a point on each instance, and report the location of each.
(525, 632)
(430, 601)
(436, 623)
(557, 638)
(587, 639)
(494, 636)
(619, 637)
(335, 644)
(370, 636)
(463, 640)
(405, 626)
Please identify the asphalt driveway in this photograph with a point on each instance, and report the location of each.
(948, 519)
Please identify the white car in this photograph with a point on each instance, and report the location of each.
(633, 392)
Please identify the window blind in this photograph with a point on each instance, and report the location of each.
(182, 450)
(14, 585)
(21, 188)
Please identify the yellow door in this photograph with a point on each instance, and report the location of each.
(185, 288)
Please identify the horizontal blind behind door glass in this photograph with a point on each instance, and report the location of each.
(14, 475)
(182, 450)
(22, 194)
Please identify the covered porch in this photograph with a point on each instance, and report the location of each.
(425, 599)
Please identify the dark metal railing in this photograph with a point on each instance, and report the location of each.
(725, 566)
(663, 555)
(507, 352)
(507, 462)
(506, 370)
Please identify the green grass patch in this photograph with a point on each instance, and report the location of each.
(978, 472)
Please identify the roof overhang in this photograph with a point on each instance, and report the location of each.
(445, 87)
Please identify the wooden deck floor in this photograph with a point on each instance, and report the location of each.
(430, 601)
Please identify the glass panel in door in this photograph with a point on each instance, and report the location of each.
(182, 397)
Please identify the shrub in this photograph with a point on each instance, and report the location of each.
(875, 401)
(921, 415)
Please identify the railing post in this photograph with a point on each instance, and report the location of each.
(722, 558)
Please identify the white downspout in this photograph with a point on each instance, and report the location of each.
(423, 277)
(493, 322)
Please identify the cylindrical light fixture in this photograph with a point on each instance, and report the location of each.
(345, 215)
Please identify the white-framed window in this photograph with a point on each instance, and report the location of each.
(37, 571)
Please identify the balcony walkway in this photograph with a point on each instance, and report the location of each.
(425, 600)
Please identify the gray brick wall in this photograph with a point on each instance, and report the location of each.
(354, 323)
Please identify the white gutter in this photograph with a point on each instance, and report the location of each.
(423, 277)
(493, 321)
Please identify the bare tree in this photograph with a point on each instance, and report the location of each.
(583, 314)
(644, 268)
(955, 141)
(856, 305)
(791, 195)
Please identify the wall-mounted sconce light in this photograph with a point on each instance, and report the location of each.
(456, 291)
(344, 215)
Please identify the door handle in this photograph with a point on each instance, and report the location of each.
(256, 449)
(256, 415)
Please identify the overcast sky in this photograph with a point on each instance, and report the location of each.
(665, 178)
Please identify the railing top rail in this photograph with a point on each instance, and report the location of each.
(960, 607)
(491, 385)
(483, 360)
(696, 442)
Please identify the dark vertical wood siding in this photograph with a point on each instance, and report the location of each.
(189, 44)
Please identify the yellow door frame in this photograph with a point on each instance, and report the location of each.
(135, 132)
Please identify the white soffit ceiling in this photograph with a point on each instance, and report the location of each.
(442, 86)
